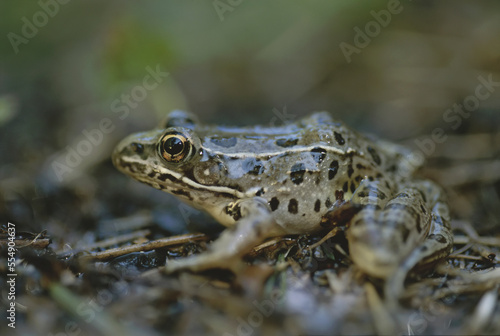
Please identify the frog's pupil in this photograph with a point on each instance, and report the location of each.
(173, 146)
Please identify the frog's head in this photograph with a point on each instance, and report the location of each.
(172, 159)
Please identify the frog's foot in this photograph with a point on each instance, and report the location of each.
(390, 237)
(255, 225)
(436, 246)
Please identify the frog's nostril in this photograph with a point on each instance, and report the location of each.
(137, 148)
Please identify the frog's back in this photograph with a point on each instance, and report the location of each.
(301, 169)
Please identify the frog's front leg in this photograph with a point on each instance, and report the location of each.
(255, 225)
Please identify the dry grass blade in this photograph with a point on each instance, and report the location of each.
(484, 311)
(148, 246)
(329, 235)
(384, 324)
(36, 243)
(108, 242)
(472, 234)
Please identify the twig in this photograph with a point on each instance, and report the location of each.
(460, 250)
(469, 230)
(148, 246)
(36, 243)
(107, 242)
(464, 256)
(329, 235)
(270, 242)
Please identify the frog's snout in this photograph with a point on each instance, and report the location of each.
(126, 148)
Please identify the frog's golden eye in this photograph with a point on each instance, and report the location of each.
(174, 146)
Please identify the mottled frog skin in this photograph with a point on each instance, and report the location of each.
(294, 179)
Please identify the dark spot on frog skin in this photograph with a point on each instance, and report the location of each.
(317, 205)
(233, 211)
(370, 191)
(419, 226)
(260, 192)
(224, 142)
(339, 195)
(338, 137)
(392, 168)
(405, 233)
(137, 148)
(287, 142)
(181, 192)
(353, 187)
(328, 203)
(318, 154)
(334, 168)
(164, 177)
(350, 170)
(438, 237)
(423, 209)
(345, 187)
(360, 166)
(130, 167)
(293, 206)
(374, 154)
(253, 166)
(297, 173)
(274, 203)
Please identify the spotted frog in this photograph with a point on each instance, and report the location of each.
(300, 178)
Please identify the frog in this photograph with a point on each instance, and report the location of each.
(303, 177)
